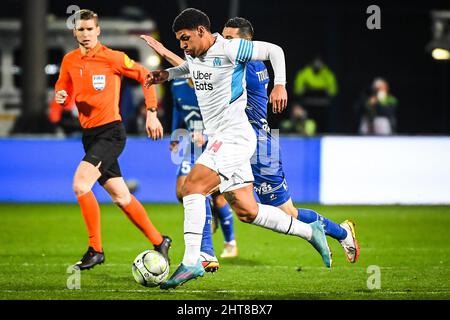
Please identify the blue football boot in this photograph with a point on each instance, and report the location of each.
(319, 242)
(184, 274)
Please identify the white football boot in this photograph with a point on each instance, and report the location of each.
(230, 250)
(209, 262)
(350, 244)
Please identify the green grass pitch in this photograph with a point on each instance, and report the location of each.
(410, 245)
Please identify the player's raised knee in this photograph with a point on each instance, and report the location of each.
(121, 200)
(185, 191)
(191, 188)
(80, 188)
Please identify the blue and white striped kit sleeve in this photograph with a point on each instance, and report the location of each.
(245, 51)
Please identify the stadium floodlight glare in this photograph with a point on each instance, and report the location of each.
(153, 61)
(439, 49)
(440, 54)
(439, 46)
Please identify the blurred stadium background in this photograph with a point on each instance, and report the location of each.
(335, 165)
(407, 168)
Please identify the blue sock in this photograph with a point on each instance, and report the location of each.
(332, 229)
(226, 222)
(207, 245)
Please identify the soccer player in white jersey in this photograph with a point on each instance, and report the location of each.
(217, 67)
(265, 173)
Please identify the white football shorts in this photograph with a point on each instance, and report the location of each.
(229, 156)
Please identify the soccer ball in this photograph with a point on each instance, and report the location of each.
(150, 268)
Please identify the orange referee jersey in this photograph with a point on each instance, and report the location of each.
(94, 79)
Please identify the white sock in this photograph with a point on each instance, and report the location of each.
(277, 220)
(194, 221)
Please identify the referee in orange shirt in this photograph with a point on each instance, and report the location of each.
(91, 75)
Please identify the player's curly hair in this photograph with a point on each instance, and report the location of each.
(190, 19)
(244, 26)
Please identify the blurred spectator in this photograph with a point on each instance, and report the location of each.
(378, 110)
(64, 119)
(163, 117)
(134, 114)
(127, 107)
(314, 87)
(298, 122)
(136, 122)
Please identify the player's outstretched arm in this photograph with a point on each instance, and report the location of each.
(160, 76)
(165, 53)
(156, 77)
(242, 51)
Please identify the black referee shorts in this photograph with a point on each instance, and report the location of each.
(104, 144)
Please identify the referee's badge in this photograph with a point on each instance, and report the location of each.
(99, 81)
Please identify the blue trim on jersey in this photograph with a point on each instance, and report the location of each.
(241, 57)
(237, 89)
(241, 46)
(249, 55)
(245, 51)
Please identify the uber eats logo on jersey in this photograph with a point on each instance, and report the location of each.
(200, 80)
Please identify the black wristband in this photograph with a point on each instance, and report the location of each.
(152, 109)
